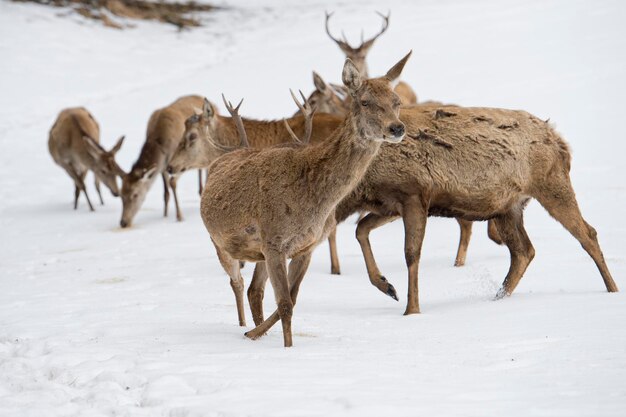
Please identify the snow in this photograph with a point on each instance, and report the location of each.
(99, 321)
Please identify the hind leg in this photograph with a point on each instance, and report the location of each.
(79, 183)
(256, 290)
(231, 266)
(466, 234)
(511, 229)
(559, 199)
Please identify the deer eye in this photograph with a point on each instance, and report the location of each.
(365, 103)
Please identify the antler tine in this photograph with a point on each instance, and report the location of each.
(291, 133)
(382, 30)
(337, 41)
(307, 112)
(234, 113)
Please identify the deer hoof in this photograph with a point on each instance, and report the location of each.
(391, 292)
(500, 294)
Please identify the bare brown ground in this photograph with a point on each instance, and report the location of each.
(179, 14)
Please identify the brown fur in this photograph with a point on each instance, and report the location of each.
(74, 145)
(473, 164)
(165, 130)
(196, 150)
(273, 204)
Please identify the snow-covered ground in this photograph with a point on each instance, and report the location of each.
(99, 321)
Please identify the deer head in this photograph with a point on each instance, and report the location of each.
(359, 54)
(105, 168)
(200, 144)
(326, 98)
(375, 106)
(135, 186)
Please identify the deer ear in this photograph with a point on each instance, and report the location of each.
(350, 76)
(197, 111)
(207, 109)
(118, 145)
(395, 71)
(93, 147)
(148, 173)
(319, 82)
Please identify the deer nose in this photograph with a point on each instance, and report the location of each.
(123, 223)
(397, 129)
(170, 170)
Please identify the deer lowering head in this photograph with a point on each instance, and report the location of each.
(105, 167)
(135, 186)
(358, 54)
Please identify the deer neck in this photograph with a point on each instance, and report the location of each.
(339, 163)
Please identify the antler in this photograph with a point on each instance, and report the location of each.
(382, 30)
(234, 112)
(345, 44)
(307, 112)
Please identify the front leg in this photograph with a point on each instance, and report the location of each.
(414, 215)
(166, 194)
(179, 214)
(365, 226)
(334, 257)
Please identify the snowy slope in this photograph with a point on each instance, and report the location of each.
(96, 321)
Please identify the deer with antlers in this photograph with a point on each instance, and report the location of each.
(74, 143)
(358, 55)
(276, 204)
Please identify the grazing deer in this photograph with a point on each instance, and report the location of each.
(473, 164)
(273, 204)
(358, 55)
(165, 130)
(74, 145)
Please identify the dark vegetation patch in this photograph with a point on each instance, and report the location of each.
(179, 14)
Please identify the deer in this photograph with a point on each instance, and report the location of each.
(165, 130)
(473, 164)
(358, 55)
(74, 143)
(209, 135)
(326, 96)
(270, 205)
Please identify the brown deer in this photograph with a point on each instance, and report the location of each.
(74, 145)
(273, 204)
(472, 164)
(325, 96)
(209, 135)
(165, 130)
(358, 55)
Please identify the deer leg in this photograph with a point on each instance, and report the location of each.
(231, 266)
(79, 183)
(256, 290)
(297, 269)
(511, 229)
(76, 195)
(277, 269)
(559, 200)
(96, 183)
(466, 234)
(414, 215)
(200, 181)
(492, 232)
(365, 226)
(179, 214)
(166, 193)
(334, 257)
